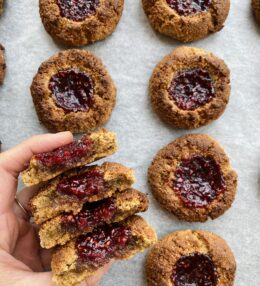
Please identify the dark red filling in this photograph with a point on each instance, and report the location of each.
(66, 155)
(195, 270)
(72, 90)
(198, 181)
(92, 215)
(98, 247)
(77, 10)
(191, 89)
(189, 7)
(83, 186)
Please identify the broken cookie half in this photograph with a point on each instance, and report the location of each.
(85, 255)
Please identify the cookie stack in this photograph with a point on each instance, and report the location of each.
(86, 212)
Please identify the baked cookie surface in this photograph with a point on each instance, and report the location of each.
(73, 91)
(89, 148)
(2, 64)
(185, 258)
(256, 9)
(67, 226)
(81, 258)
(188, 20)
(190, 88)
(192, 178)
(81, 22)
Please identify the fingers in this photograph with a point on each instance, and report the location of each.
(15, 160)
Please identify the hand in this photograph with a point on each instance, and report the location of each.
(22, 261)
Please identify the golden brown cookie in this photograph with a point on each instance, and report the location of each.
(73, 91)
(2, 64)
(192, 178)
(82, 257)
(186, 258)
(91, 147)
(1, 7)
(80, 22)
(69, 191)
(256, 9)
(190, 88)
(187, 20)
(65, 227)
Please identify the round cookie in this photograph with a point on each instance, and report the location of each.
(190, 88)
(73, 91)
(188, 20)
(185, 258)
(256, 9)
(81, 22)
(2, 64)
(192, 178)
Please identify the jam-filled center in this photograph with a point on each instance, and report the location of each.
(92, 215)
(195, 270)
(77, 10)
(84, 185)
(65, 155)
(72, 90)
(98, 247)
(192, 88)
(189, 7)
(198, 181)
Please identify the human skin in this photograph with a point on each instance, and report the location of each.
(22, 261)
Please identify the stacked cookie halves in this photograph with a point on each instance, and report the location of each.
(86, 212)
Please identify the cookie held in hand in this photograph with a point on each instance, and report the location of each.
(192, 178)
(82, 257)
(65, 227)
(190, 88)
(189, 257)
(73, 91)
(186, 20)
(91, 147)
(69, 191)
(80, 22)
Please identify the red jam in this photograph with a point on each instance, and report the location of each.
(191, 89)
(77, 10)
(92, 215)
(65, 155)
(195, 270)
(83, 186)
(72, 90)
(189, 7)
(198, 181)
(98, 247)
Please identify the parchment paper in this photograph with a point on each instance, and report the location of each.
(130, 55)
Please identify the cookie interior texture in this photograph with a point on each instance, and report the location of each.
(193, 198)
(73, 91)
(163, 259)
(95, 20)
(201, 98)
(65, 227)
(43, 166)
(68, 269)
(50, 201)
(182, 25)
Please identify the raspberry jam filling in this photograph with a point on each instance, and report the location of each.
(198, 181)
(72, 90)
(92, 215)
(65, 155)
(98, 247)
(84, 185)
(195, 270)
(189, 7)
(77, 10)
(192, 88)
